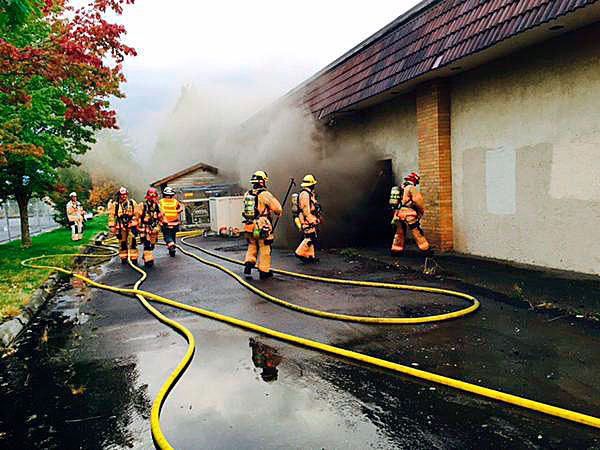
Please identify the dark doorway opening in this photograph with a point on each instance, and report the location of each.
(376, 228)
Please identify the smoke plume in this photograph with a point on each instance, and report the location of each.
(286, 142)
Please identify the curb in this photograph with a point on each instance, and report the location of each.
(11, 329)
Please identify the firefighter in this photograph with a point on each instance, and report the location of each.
(149, 218)
(171, 208)
(307, 216)
(122, 222)
(409, 207)
(76, 217)
(259, 207)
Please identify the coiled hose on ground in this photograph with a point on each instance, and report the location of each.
(143, 296)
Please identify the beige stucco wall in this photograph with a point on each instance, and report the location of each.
(388, 131)
(526, 156)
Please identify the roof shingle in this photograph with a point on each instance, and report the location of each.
(435, 37)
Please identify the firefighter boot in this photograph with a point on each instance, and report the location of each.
(264, 275)
(148, 258)
(248, 270)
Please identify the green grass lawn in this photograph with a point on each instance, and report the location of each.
(17, 283)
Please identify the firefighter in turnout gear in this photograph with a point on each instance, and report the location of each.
(409, 206)
(122, 222)
(76, 217)
(307, 217)
(171, 208)
(149, 219)
(259, 207)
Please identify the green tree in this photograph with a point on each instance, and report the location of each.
(55, 86)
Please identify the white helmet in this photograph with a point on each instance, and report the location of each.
(168, 191)
(73, 194)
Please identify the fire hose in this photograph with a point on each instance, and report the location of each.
(143, 296)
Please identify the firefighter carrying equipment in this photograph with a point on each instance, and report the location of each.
(409, 207)
(76, 217)
(309, 217)
(149, 225)
(259, 207)
(144, 297)
(122, 222)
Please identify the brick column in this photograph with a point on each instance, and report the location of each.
(435, 161)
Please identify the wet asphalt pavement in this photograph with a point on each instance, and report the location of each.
(85, 374)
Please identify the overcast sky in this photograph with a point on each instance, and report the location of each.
(249, 51)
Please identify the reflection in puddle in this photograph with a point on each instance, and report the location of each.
(266, 358)
(224, 402)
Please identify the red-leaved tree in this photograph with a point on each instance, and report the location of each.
(59, 68)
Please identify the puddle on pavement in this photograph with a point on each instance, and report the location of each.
(244, 391)
(54, 396)
(248, 392)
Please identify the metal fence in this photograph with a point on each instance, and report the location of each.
(40, 219)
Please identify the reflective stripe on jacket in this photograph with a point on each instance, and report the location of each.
(171, 208)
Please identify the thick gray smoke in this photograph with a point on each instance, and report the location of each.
(286, 142)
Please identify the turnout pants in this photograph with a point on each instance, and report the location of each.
(170, 235)
(149, 239)
(76, 230)
(259, 251)
(127, 243)
(407, 218)
(307, 248)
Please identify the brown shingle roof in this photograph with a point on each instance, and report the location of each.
(183, 172)
(435, 36)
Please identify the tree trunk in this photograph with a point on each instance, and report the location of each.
(23, 202)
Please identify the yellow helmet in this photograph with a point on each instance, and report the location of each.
(259, 175)
(308, 181)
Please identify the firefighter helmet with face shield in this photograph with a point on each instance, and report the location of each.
(123, 192)
(151, 194)
(259, 177)
(413, 178)
(309, 181)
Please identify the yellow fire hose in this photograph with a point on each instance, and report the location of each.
(157, 433)
(345, 317)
